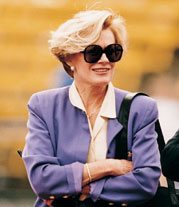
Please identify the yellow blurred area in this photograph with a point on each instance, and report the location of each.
(26, 65)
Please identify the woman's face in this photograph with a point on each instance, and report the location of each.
(95, 74)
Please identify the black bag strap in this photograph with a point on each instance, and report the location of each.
(121, 151)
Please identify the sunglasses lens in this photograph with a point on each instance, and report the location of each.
(114, 52)
(92, 53)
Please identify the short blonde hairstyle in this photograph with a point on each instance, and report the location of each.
(84, 29)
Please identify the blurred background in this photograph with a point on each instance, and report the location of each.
(26, 66)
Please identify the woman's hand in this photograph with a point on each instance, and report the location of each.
(106, 167)
(85, 192)
(86, 189)
(119, 167)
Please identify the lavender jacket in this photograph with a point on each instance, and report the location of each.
(57, 148)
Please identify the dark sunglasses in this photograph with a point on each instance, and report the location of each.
(93, 53)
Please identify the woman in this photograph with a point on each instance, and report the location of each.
(70, 146)
(170, 158)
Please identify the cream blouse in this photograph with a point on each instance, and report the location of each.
(98, 144)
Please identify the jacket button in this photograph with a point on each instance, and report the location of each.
(110, 204)
(52, 197)
(65, 196)
(124, 204)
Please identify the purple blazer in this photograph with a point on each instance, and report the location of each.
(57, 147)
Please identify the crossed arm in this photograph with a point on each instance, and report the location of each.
(99, 169)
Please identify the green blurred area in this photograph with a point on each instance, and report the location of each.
(27, 66)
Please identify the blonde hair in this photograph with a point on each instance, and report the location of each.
(85, 29)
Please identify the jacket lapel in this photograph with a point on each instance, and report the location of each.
(114, 127)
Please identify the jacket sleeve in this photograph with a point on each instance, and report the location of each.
(141, 184)
(47, 177)
(170, 158)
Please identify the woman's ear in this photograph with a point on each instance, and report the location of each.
(68, 60)
(69, 63)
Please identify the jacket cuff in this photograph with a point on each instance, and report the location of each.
(74, 176)
(97, 189)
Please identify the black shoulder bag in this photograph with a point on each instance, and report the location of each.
(164, 197)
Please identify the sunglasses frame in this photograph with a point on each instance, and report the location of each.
(102, 51)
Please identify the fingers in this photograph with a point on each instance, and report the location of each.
(84, 193)
(120, 167)
(48, 202)
(86, 189)
(126, 166)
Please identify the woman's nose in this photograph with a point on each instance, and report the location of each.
(103, 58)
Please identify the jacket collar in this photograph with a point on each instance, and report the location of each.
(108, 108)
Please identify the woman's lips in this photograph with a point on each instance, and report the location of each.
(100, 70)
